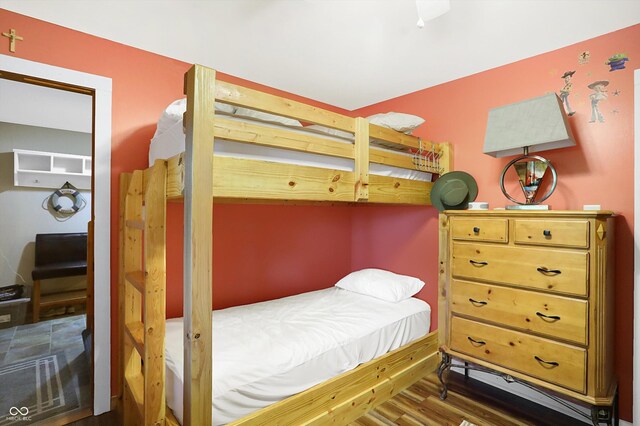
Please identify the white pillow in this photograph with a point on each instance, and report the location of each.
(381, 284)
(263, 116)
(330, 131)
(173, 114)
(397, 121)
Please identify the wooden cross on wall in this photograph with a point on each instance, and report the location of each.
(12, 37)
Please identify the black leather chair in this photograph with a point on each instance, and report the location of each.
(58, 255)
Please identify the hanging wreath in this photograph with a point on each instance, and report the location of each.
(67, 191)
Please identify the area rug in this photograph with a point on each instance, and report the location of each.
(36, 390)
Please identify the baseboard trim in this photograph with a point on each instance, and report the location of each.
(70, 417)
(115, 401)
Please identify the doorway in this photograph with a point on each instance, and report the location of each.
(46, 145)
(96, 339)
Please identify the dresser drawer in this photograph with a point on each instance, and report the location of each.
(554, 362)
(554, 316)
(480, 229)
(560, 271)
(548, 232)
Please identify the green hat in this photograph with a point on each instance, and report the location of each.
(454, 191)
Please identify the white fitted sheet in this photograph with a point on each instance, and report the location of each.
(268, 351)
(171, 142)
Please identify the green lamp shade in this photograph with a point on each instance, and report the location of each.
(539, 123)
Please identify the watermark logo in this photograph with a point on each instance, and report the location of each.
(19, 414)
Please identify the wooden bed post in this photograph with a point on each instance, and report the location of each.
(125, 179)
(155, 283)
(198, 236)
(446, 159)
(362, 159)
(133, 395)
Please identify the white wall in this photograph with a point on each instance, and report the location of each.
(31, 105)
(21, 213)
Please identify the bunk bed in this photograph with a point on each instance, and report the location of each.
(197, 176)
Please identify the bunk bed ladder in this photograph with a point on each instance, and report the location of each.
(143, 292)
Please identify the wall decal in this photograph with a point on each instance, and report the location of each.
(566, 91)
(616, 62)
(616, 92)
(583, 58)
(599, 94)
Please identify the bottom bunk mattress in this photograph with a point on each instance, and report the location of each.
(269, 351)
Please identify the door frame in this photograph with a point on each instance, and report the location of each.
(636, 252)
(101, 213)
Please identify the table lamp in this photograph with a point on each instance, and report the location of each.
(532, 125)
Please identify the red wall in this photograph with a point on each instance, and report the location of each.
(401, 239)
(263, 252)
(599, 170)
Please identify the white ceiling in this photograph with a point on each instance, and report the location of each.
(39, 106)
(348, 53)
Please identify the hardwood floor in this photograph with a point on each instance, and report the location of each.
(473, 401)
(420, 405)
(107, 419)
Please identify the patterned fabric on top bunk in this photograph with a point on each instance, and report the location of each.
(268, 351)
(169, 140)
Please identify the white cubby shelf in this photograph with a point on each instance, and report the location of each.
(50, 169)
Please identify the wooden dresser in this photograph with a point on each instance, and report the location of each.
(530, 294)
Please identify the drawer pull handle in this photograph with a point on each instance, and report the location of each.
(549, 363)
(477, 263)
(476, 342)
(477, 302)
(546, 271)
(548, 317)
(546, 233)
(476, 230)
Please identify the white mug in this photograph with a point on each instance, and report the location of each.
(479, 205)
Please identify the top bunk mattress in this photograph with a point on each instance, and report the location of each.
(266, 352)
(170, 141)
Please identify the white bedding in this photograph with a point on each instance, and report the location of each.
(171, 141)
(268, 351)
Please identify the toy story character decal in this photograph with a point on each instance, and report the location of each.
(583, 58)
(616, 62)
(599, 94)
(566, 90)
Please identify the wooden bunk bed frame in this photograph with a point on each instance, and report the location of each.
(143, 198)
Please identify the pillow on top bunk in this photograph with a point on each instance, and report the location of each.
(330, 131)
(397, 121)
(381, 284)
(263, 116)
(173, 114)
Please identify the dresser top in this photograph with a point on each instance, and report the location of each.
(532, 213)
